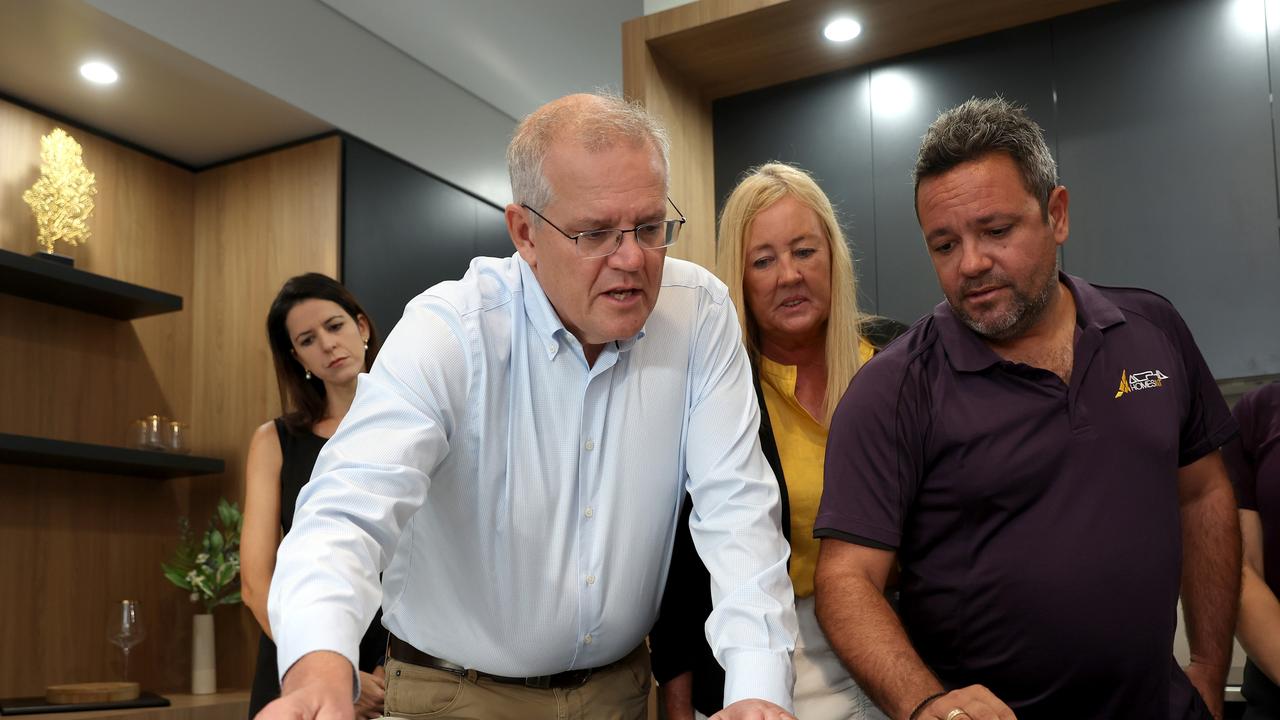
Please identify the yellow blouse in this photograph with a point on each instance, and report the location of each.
(802, 445)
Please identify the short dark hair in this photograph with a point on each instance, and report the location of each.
(303, 400)
(978, 127)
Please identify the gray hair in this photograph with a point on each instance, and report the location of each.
(597, 121)
(980, 126)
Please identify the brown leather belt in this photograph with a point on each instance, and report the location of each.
(400, 650)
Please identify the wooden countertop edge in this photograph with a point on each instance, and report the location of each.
(177, 702)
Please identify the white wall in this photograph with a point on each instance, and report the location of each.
(653, 6)
(312, 57)
(513, 55)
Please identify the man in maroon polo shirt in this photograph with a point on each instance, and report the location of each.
(1040, 457)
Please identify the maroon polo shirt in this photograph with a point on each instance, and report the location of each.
(1255, 468)
(1036, 523)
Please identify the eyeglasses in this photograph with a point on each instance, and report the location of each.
(599, 243)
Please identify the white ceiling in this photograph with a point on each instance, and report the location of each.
(165, 101)
(513, 55)
(204, 82)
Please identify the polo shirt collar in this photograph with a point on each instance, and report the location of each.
(967, 352)
(545, 320)
(1093, 309)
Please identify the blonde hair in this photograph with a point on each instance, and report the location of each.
(760, 189)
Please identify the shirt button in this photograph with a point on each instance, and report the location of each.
(587, 639)
(590, 445)
(589, 511)
(591, 579)
(551, 347)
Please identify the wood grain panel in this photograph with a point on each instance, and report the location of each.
(687, 116)
(258, 222)
(74, 543)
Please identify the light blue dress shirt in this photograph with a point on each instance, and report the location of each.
(523, 505)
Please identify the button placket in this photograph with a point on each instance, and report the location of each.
(590, 471)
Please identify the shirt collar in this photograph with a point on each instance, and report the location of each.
(546, 321)
(968, 353)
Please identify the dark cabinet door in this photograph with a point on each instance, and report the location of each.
(405, 230)
(1171, 168)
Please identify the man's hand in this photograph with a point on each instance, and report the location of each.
(975, 703)
(317, 687)
(373, 688)
(753, 710)
(1209, 682)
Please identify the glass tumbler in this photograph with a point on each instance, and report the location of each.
(178, 439)
(155, 432)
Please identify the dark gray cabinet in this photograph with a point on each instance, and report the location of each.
(906, 96)
(405, 230)
(1159, 114)
(828, 134)
(1166, 147)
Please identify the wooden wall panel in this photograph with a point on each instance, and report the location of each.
(687, 116)
(74, 543)
(257, 223)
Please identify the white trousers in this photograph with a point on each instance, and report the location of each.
(824, 690)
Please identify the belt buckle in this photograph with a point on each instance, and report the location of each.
(450, 668)
(542, 682)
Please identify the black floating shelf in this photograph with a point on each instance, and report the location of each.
(51, 282)
(43, 452)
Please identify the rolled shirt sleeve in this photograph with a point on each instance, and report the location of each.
(369, 480)
(736, 522)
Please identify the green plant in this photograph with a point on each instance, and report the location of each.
(210, 569)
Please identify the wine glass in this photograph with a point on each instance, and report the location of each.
(125, 629)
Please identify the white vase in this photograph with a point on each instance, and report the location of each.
(204, 671)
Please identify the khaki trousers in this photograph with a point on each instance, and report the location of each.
(620, 692)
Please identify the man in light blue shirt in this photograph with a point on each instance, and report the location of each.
(515, 462)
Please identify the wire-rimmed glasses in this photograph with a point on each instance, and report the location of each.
(599, 243)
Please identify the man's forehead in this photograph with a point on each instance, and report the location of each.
(975, 189)
(607, 175)
(567, 149)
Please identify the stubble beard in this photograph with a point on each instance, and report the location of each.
(1023, 311)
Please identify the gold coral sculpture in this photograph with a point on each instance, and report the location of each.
(62, 199)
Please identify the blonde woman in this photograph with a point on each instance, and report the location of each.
(790, 274)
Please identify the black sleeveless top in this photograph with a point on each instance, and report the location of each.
(298, 453)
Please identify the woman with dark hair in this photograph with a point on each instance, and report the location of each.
(321, 340)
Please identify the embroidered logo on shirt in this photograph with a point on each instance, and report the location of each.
(1144, 380)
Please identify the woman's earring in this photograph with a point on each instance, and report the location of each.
(366, 343)
(308, 374)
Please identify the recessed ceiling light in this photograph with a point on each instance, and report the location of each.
(99, 72)
(842, 30)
